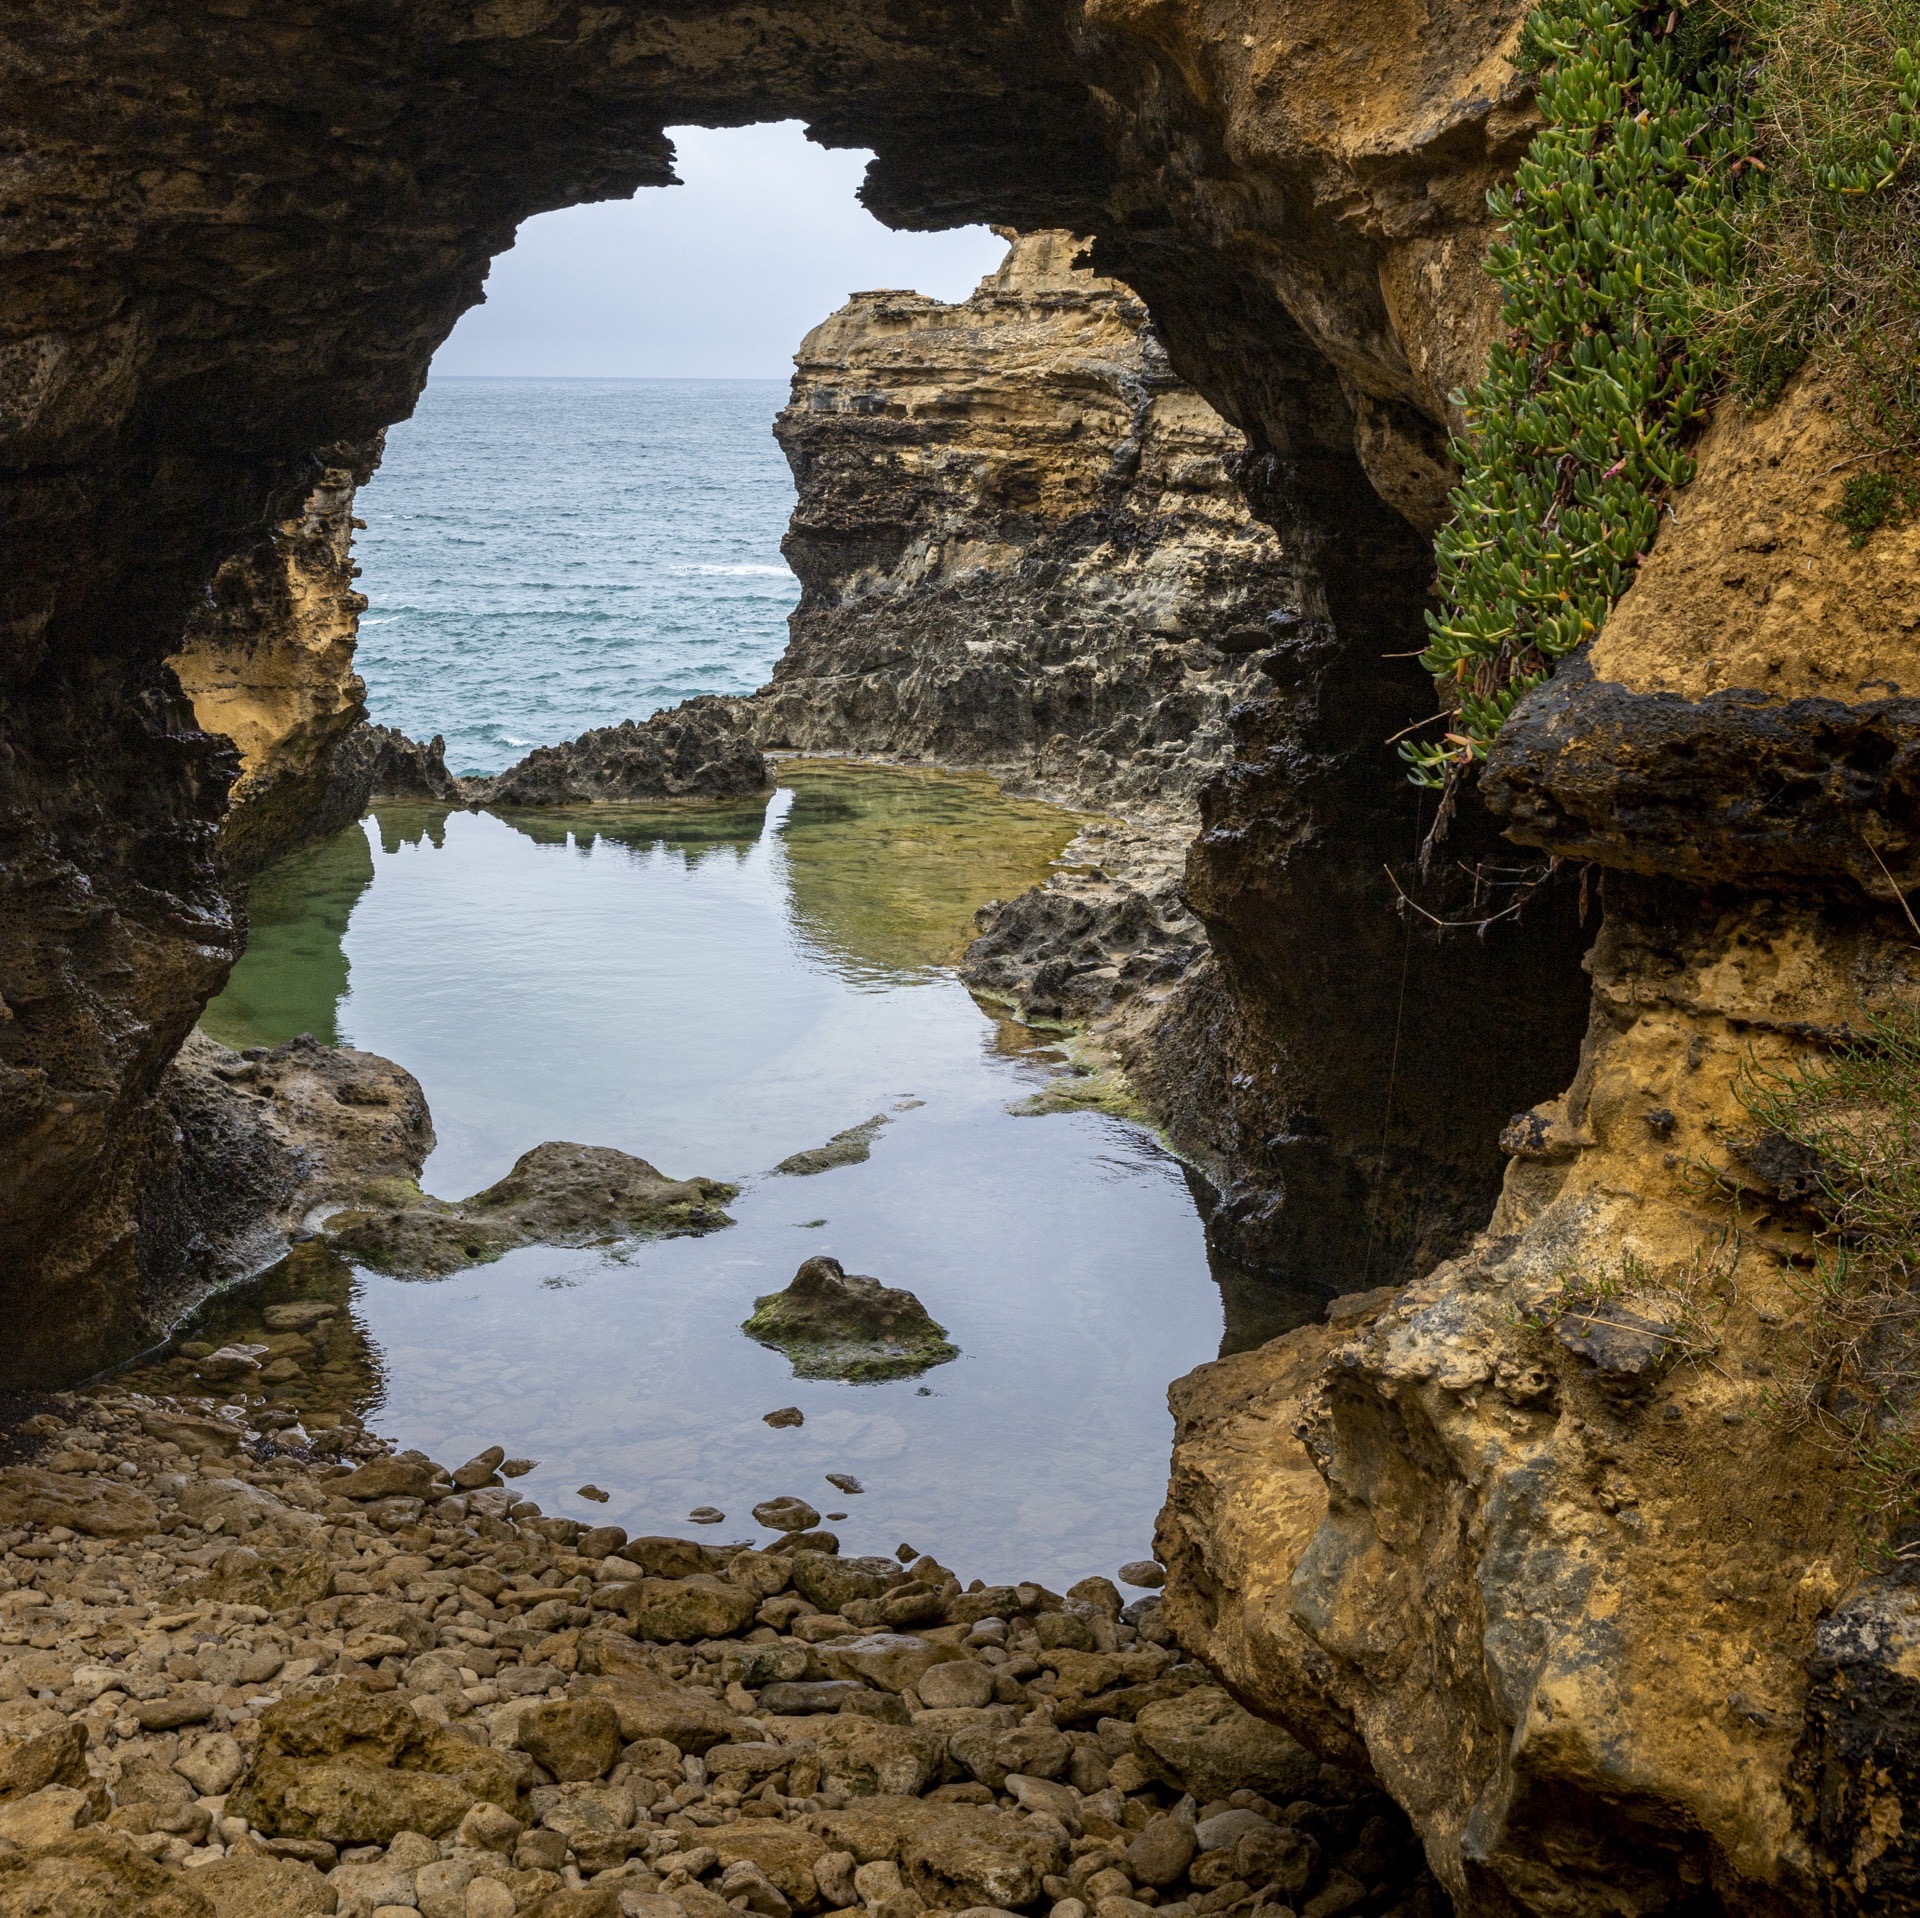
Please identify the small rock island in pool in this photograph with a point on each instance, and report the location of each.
(834, 1324)
(557, 1194)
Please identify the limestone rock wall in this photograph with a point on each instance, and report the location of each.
(1019, 541)
(268, 662)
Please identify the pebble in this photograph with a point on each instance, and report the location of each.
(184, 1581)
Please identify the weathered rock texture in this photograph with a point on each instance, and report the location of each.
(1750, 713)
(1018, 539)
(1024, 544)
(1545, 1538)
(695, 750)
(268, 662)
(237, 237)
(1549, 1534)
(557, 1194)
(250, 1147)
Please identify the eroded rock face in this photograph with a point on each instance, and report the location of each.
(1303, 222)
(1750, 712)
(1018, 539)
(695, 750)
(1572, 1561)
(268, 662)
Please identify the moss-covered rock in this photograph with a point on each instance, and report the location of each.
(557, 1194)
(835, 1324)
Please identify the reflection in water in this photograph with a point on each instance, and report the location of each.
(887, 868)
(716, 994)
(294, 973)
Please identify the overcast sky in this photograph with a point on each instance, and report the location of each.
(718, 279)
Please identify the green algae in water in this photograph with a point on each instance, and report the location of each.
(293, 975)
(887, 866)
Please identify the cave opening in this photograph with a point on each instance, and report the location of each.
(1275, 1080)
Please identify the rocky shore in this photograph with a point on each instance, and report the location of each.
(254, 1664)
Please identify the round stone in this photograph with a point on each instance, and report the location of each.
(785, 1514)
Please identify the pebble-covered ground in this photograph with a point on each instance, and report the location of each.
(252, 1670)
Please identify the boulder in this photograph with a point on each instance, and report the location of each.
(574, 1738)
(831, 1582)
(648, 1706)
(785, 1853)
(889, 1661)
(353, 1768)
(83, 1502)
(97, 1874)
(861, 1757)
(834, 1324)
(678, 1610)
(595, 1820)
(1033, 1750)
(1204, 1743)
(249, 1884)
(53, 1753)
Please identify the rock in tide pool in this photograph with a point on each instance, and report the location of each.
(851, 1147)
(834, 1324)
(557, 1194)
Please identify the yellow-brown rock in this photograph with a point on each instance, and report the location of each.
(268, 661)
(1019, 541)
(1572, 1562)
(1750, 711)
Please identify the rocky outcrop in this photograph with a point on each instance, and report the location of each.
(556, 1194)
(835, 1324)
(695, 750)
(268, 661)
(382, 762)
(252, 1147)
(1018, 539)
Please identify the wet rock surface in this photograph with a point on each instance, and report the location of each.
(835, 1324)
(241, 1677)
(695, 750)
(556, 1194)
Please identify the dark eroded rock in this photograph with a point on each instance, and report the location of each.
(833, 1324)
(691, 751)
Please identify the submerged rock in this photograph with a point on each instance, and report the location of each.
(693, 751)
(557, 1194)
(851, 1147)
(835, 1324)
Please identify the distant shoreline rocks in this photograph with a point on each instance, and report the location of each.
(695, 750)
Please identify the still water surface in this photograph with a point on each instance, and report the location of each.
(715, 990)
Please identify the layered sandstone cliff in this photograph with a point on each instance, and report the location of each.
(1019, 541)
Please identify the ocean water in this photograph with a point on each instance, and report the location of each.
(542, 556)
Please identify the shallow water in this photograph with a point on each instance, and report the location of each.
(714, 991)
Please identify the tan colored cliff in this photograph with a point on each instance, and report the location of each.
(1558, 1533)
(1019, 540)
(268, 661)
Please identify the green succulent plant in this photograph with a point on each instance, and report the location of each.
(1578, 429)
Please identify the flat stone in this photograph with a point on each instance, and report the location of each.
(678, 1611)
(1206, 1744)
(892, 1661)
(99, 1507)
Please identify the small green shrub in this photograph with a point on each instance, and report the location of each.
(1870, 501)
(1578, 429)
(1853, 1119)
